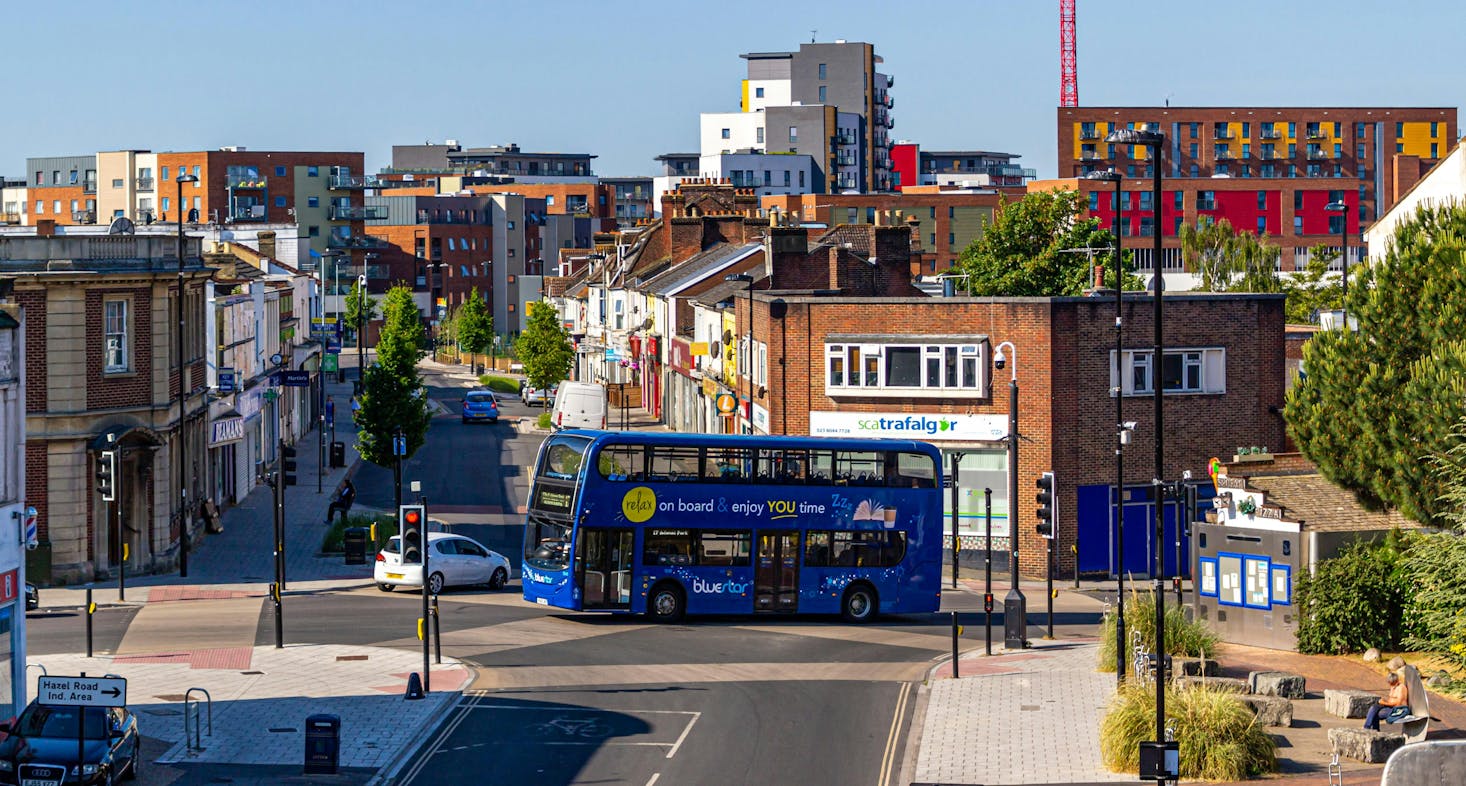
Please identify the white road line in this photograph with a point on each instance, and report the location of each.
(655, 775)
(683, 735)
(888, 759)
(437, 746)
(584, 709)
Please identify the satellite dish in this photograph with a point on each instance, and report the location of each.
(121, 225)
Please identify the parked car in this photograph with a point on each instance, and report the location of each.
(480, 405)
(579, 405)
(32, 597)
(533, 395)
(453, 561)
(41, 747)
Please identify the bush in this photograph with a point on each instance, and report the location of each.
(1184, 636)
(1434, 569)
(1219, 737)
(499, 384)
(1356, 600)
(336, 533)
(544, 420)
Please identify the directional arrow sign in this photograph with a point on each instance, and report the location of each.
(82, 691)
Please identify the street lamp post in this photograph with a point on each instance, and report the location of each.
(748, 279)
(1342, 209)
(1156, 141)
(321, 372)
(1111, 176)
(1015, 606)
(361, 309)
(182, 399)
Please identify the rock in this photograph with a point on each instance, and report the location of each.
(1397, 663)
(1270, 710)
(1227, 684)
(1348, 703)
(1371, 655)
(1276, 683)
(1196, 667)
(1439, 679)
(1372, 747)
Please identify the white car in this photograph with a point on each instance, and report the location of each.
(532, 395)
(453, 561)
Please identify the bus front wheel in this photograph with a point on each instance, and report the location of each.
(666, 603)
(860, 603)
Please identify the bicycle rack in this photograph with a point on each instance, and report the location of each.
(190, 709)
(40, 666)
(1336, 772)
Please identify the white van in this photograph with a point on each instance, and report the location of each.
(579, 405)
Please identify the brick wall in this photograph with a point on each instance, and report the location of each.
(36, 481)
(134, 387)
(34, 303)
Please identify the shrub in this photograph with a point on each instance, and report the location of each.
(1184, 636)
(332, 543)
(544, 420)
(1355, 600)
(499, 384)
(1219, 737)
(1434, 570)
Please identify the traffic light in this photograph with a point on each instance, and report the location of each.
(287, 465)
(1048, 512)
(107, 475)
(411, 523)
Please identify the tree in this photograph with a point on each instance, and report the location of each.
(544, 348)
(1229, 261)
(1022, 252)
(475, 325)
(1313, 289)
(361, 308)
(1377, 402)
(394, 398)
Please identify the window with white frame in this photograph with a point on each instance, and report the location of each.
(115, 340)
(943, 369)
(1183, 371)
(757, 363)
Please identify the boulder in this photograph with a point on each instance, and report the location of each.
(1397, 663)
(1439, 679)
(1372, 747)
(1270, 710)
(1276, 683)
(1197, 667)
(1227, 684)
(1371, 655)
(1348, 703)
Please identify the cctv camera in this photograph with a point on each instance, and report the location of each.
(1129, 425)
(999, 360)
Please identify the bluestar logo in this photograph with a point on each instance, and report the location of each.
(715, 587)
(919, 423)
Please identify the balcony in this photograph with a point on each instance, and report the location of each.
(358, 182)
(9, 218)
(358, 212)
(237, 182)
(1268, 155)
(355, 241)
(89, 187)
(83, 216)
(1319, 155)
(1223, 133)
(1223, 154)
(143, 217)
(143, 183)
(1317, 133)
(249, 213)
(1270, 135)
(1089, 133)
(1091, 155)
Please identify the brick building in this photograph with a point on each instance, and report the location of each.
(13, 502)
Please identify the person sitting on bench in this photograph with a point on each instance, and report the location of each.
(342, 502)
(1392, 708)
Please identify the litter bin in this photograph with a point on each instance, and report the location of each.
(322, 744)
(355, 541)
(338, 454)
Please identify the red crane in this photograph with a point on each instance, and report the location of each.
(1068, 60)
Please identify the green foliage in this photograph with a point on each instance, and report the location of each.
(543, 421)
(544, 347)
(499, 384)
(1313, 289)
(1020, 253)
(1220, 739)
(333, 542)
(360, 307)
(475, 325)
(1435, 567)
(1230, 261)
(1184, 637)
(1377, 401)
(394, 398)
(1354, 601)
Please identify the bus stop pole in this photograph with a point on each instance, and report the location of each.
(987, 592)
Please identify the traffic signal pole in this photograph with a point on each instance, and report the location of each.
(1048, 527)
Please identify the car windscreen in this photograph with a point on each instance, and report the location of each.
(40, 720)
(394, 545)
(480, 398)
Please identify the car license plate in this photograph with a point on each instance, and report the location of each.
(394, 575)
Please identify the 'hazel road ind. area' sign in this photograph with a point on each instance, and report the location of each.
(82, 691)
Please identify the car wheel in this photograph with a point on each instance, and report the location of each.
(500, 578)
(435, 584)
(859, 604)
(386, 587)
(666, 603)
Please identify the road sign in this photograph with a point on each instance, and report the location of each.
(399, 445)
(228, 380)
(333, 345)
(295, 378)
(82, 691)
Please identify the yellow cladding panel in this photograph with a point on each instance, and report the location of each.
(1415, 140)
(743, 103)
(1101, 130)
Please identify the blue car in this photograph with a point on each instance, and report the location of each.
(480, 405)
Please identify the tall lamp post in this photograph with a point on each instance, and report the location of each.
(747, 278)
(1341, 208)
(1015, 606)
(361, 309)
(1156, 141)
(182, 398)
(433, 300)
(1111, 176)
(321, 373)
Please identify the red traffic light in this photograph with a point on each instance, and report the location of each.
(412, 517)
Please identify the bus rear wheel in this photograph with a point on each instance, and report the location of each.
(666, 603)
(859, 603)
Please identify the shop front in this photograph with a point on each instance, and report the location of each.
(683, 387)
(12, 617)
(226, 433)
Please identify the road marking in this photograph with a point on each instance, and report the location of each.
(462, 713)
(683, 736)
(655, 775)
(888, 759)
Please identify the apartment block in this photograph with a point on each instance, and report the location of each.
(451, 157)
(912, 166)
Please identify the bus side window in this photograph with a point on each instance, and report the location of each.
(667, 547)
(817, 549)
(911, 470)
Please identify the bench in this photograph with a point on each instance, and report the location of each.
(1276, 683)
(1270, 710)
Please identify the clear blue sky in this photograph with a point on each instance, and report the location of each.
(626, 81)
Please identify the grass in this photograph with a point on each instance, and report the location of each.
(543, 421)
(499, 384)
(332, 542)
(1219, 736)
(1184, 637)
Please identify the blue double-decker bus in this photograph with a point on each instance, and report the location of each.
(671, 524)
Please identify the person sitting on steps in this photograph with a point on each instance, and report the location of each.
(342, 502)
(1392, 707)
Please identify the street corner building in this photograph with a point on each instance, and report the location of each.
(14, 508)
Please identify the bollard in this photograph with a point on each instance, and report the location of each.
(279, 620)
(437, 634)
(414, 686)
(987, 608)
(91, 609)
(956, 652)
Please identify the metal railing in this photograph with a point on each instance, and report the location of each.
(241, 181)
(1089, 134)
(1223, 133)
(144, 183)
(83, 217)
(358, 212)
(348, 182)
(355, 241)
(1225, 155)
(1270, 134)
(1319, 155)
(89, 187)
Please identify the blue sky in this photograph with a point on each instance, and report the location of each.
(627, 80)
